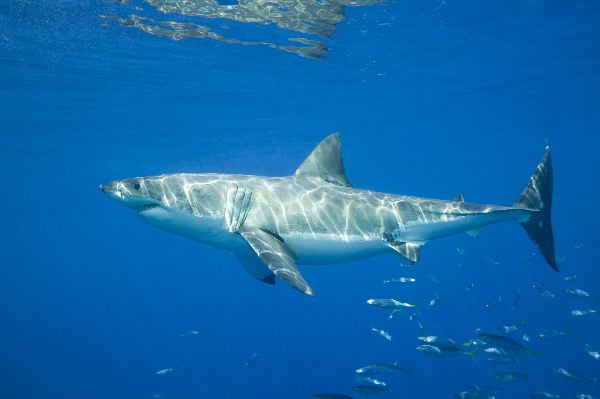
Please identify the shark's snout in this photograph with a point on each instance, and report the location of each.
(129, 193)
(107, 187)
(114, 190)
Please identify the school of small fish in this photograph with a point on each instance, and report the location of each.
(497, 346)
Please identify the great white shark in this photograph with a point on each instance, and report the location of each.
(272, 224)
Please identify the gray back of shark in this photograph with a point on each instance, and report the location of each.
(315, 216)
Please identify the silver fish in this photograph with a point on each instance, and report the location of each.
(552, 334)
(368, 389)
(510, 376)
(572, 375)
(493, 303)
(444, 351)
(389, 303)
(382, 368)
(583, 312)
(165, 371)
(373, 381)
(545, 395)
(591, 352)
(400, 280)
(190, 333)
(383, 333)
(575, 292)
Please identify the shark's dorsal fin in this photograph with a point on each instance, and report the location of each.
(276, 255)
(325, 162)
(459, 198)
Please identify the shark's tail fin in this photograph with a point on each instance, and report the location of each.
(537, 196)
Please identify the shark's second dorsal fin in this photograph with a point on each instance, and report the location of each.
(325, 162)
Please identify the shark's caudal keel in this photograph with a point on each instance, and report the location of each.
(272, 224)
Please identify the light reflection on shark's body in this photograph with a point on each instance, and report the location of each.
(317, 217)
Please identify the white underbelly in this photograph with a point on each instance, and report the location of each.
(328, 249)
(207, 230)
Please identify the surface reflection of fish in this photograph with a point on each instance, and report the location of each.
(585, 396)
(303, 17)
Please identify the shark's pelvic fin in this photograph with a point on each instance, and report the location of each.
(325, 162)
(277, 256)
(537, 197)
(255, 267)
(410, 251)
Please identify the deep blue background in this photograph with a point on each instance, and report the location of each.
(432, 99)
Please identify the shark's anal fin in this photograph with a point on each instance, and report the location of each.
(255, 267)
(410, 251)
(277, 256)
(325, 163)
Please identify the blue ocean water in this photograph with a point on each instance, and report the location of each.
(432, 98)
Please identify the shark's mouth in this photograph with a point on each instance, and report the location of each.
(146, 207)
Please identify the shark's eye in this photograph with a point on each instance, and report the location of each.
(136, 186)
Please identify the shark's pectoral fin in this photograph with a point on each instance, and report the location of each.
(255, 267)
(410, 251)
(277, 256)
